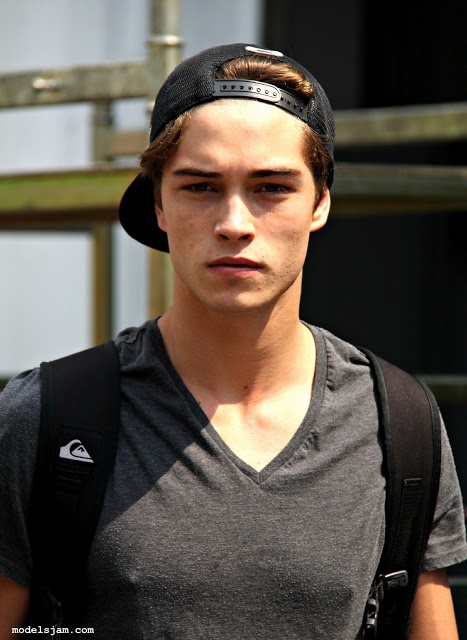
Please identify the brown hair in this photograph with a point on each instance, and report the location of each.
(260, 68)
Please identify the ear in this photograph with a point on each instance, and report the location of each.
(320, 214)
(160, 217)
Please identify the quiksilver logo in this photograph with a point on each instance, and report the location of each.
(75, 450)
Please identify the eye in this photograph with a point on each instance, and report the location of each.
(270, 187)
(198, 187)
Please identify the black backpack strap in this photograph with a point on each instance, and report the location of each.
(411, 438)
(77, 445)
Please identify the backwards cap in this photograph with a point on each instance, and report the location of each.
(194, 82)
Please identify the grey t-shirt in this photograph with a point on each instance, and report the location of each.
(194, 543)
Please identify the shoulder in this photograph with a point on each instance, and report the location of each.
(19, 431)
(348, 363)
(341, 351)
(20, 407)
(138, 346)
(344, 379)
(20, 410)
(343, 364)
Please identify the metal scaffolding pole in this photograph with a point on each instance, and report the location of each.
(164, 53)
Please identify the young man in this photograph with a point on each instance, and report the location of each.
(247, 497)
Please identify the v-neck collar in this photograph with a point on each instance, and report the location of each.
(302, 433)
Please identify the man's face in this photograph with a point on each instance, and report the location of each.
(238, 206)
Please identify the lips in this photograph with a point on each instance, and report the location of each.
(235, 267)
(234, 261)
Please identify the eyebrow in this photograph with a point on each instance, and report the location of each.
(260, 173)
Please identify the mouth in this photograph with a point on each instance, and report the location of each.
(230, 261)
(234, 266)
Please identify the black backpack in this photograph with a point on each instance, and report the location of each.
(77, 446)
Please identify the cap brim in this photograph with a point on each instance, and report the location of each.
(138, 216)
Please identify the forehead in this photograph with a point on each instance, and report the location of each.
(245, 129)
(255, 114)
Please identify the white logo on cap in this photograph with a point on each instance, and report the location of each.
(265, 52)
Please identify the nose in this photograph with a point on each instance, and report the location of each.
(235, 221)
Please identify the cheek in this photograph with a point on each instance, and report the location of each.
(294, 249)
(293, 232)
(184, 234)
(186, 241)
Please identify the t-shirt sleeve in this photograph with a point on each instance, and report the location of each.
(19, 424)
(447, 541)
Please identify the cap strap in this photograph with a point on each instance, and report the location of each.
(261, 91)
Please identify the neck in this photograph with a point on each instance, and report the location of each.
(237, 354)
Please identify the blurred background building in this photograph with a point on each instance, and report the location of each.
(389, 271)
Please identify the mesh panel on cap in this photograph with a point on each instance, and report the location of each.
(321, 119)
(191, 83)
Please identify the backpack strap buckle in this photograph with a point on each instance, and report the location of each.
(395, 580)
(381, 586)
(370, 626)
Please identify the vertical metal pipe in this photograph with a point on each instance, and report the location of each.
(164, 53)
(102, 232)
(165, 17)
(102, 281)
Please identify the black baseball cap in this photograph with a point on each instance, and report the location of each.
(193, 82)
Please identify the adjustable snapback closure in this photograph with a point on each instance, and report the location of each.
(261, 91)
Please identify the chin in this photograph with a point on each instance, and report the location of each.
(246, 303)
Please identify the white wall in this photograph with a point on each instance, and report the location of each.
(45, 293)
